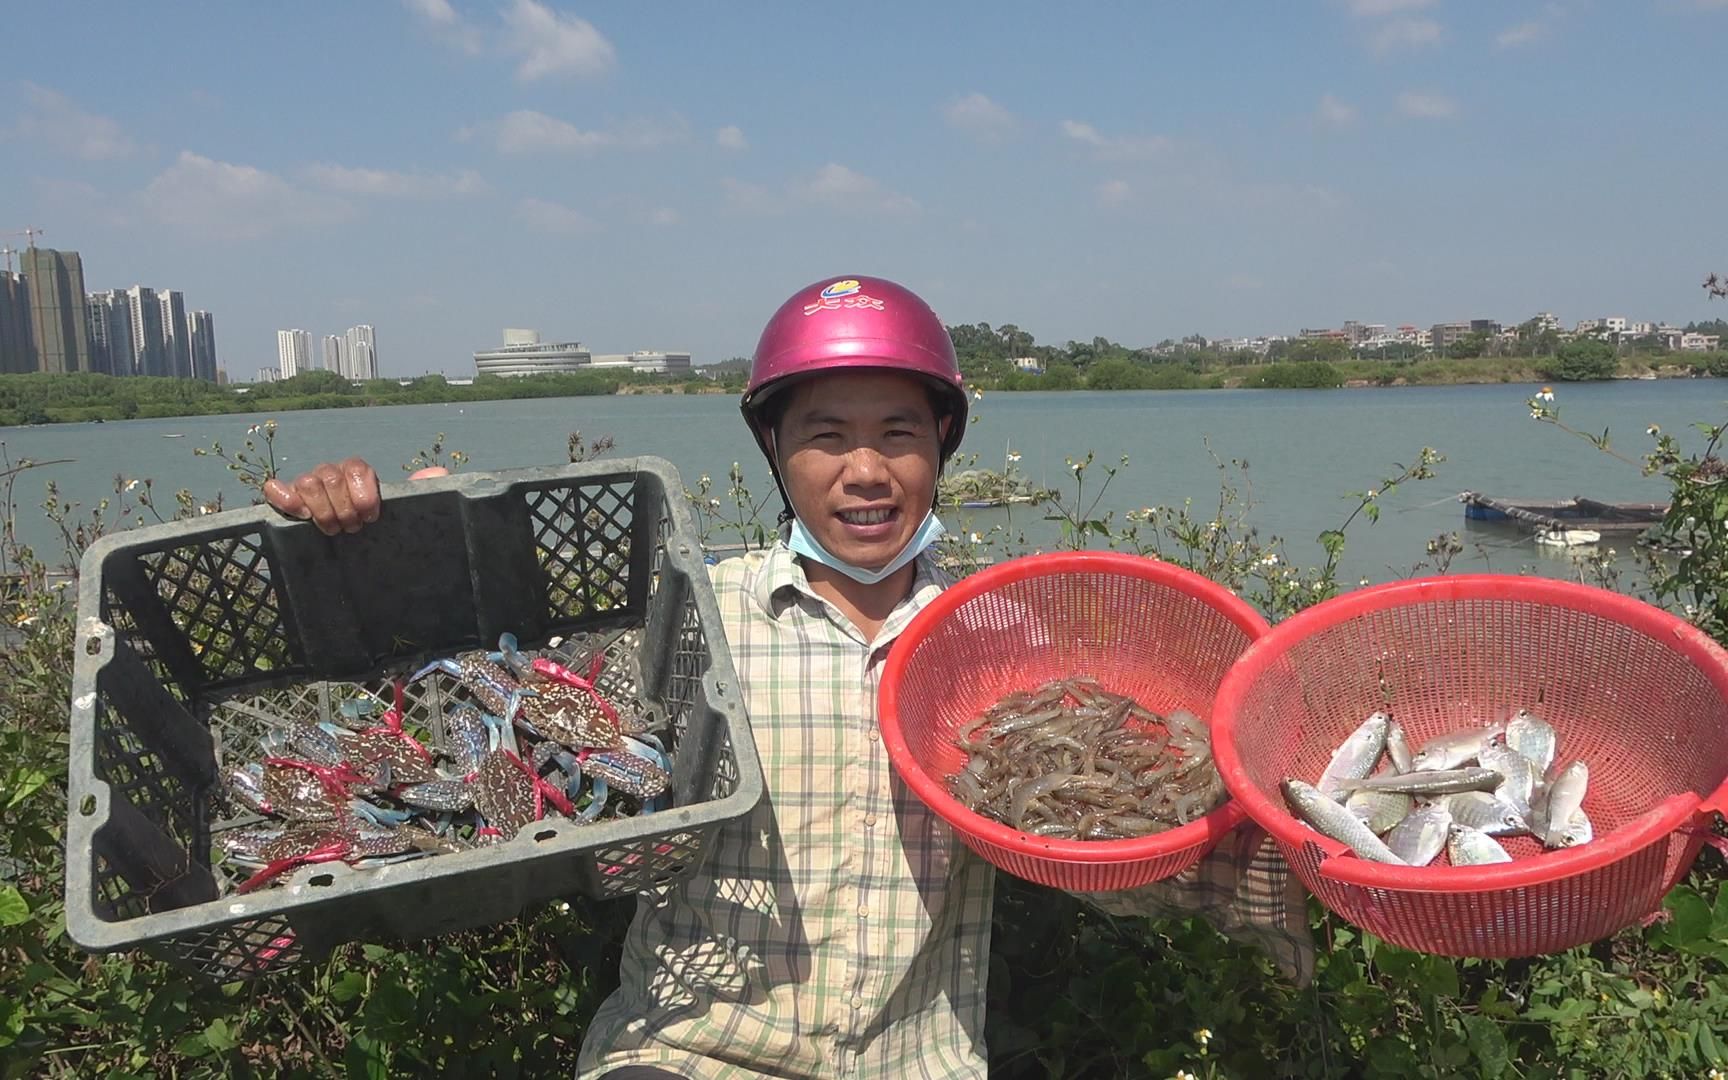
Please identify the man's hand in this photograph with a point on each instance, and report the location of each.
(335, 496)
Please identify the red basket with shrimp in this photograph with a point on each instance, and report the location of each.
(1636, 694)
(1142, 628)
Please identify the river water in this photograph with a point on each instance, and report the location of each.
(1304, 449)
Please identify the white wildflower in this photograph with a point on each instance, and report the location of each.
(1372, 493)
(704, 481)
(1270, 559)
(1363, 583)
(1184, 1074)
(1212, 527)
(1203, 1036)
(977, 394)
(27, 620)
(1545, 395)
(1653, 430)
(714, 504)
(1536, 412)
(563, 906)
(130, 484)
(1013, 455)
(975, 538)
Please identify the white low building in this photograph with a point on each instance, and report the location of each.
(523, 353)
(646, 361)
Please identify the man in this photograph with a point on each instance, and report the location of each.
(840, 929)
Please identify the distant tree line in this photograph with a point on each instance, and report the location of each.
(72, 398)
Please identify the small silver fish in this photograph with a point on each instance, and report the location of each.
(1520, 774)
(1473, 847)
(1565, 798)
(1577, 831)
(1421, 836)
(1531, 736)
(1379, 810)
(1327, 817)
(1454, 748)
(1398, 747)
(1430, 781)
(1486, 811)
(1355, 757)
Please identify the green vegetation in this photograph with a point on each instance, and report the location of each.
(1072, 992)
(45, 399)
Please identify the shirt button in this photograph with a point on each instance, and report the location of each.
(874, 735)
(863, 913)
(858, 1001)
(869, 821)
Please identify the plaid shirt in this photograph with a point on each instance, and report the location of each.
(841, 928)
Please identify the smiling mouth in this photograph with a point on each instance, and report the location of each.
(866, 517)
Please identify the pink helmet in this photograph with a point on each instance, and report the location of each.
(854, 323)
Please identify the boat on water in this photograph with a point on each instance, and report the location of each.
(1559, 517)
(176, 435)
(1567, 537)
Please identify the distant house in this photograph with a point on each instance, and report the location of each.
(1031, 365)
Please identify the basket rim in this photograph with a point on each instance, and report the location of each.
(1337, 861)
(1208, 829)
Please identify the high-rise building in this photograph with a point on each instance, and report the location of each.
(176, 351)
(336, 355)
(293, 352)
(201, 340)
(58, 324)
(362, 353)
(17, 349)
(111, 347)
(149, 352)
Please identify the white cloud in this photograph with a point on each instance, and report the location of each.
(1523, 34)
(1371, 9)
(1405, 34)
(51, 118)
(550, 43)
(664, 215)
(1427, 106)
(413, 185)
(548, 216)
(838, 186)
(442, 19)
(526, 131)
(229, 201)
(731, 137)
(979, 117)
(1334, 113)
(1115, 147)
(1114, 193)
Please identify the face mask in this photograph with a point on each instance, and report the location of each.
(803, 543)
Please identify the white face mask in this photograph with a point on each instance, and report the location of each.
(803, 542)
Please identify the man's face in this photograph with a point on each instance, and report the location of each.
(859, 454)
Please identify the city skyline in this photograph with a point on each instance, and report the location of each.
(1133, 172)
(49, 323)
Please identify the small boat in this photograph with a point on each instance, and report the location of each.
(174, 436)
(1568, 537)
(1566, 515)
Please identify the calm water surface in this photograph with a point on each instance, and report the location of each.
(1305, 449)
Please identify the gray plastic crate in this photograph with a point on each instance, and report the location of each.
(193, 636)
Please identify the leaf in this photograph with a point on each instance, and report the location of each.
(218, 1037)
(13, 910)
(1333, 541)
(1437, 976)
(364, 1060)
(22, 784)
(1692, 917)
(350, 986)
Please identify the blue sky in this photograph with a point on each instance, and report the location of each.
(662, 176)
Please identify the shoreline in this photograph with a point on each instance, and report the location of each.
(1233, 379)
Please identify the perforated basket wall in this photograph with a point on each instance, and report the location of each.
(1638, 695)
(194, 637)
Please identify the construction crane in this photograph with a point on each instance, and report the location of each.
(8, 251)
(29, 233)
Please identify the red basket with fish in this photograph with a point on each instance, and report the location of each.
(1606, 716)
(1091, 673)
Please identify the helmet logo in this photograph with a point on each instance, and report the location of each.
(843, 294)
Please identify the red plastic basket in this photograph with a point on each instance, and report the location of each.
(1640, 695)
(1141, 627)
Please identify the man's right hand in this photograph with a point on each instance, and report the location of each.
(337, 496)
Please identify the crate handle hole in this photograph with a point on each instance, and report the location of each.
(92, 645)
(88, 806)
(321, 880)
(545, 834)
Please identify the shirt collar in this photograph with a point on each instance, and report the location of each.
(781, 571)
